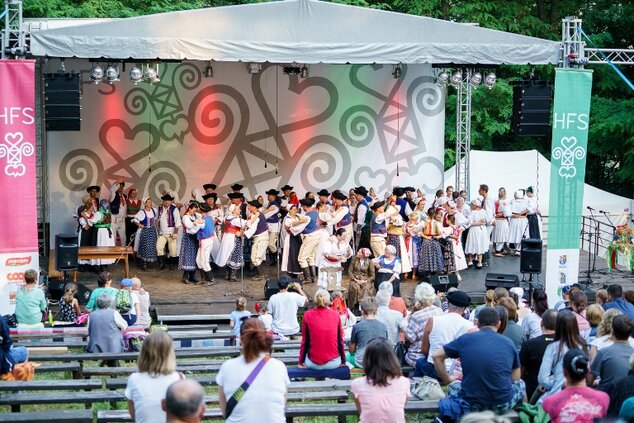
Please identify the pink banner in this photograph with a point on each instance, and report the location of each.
(18, 215)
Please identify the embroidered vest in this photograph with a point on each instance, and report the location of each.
(377, 228)
(345, 221)
(276, 217)
(312, 226)
(208, 230)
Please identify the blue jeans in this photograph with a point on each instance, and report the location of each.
(19, 354)
(425, 368)
(332, 364)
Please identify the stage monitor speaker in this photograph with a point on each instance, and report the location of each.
(441, 283)
(531, 256)
(62, 98)
(271, 288)
(504, 280)
(531, 108)
(66, 251)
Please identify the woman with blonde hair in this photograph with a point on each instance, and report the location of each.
(424, 295)
(594, 314)
(157, 371)
(322, 336)
(604, 333)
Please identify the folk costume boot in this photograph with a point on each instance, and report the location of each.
(313, 274)
(144, 265)
(161, 262)
(227, 273)
(306, 274)
(185, 278)
(233, 277)
(258, 274)
(209, 278)
(193, 277)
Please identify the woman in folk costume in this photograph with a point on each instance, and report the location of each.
(87, 233)
(500, 237)
(388, 269)
(431, 256)
(396, 237)
(230, 254)
(362, 274)
(452, 234)
(292, 240)
(335, 250)
(146, 235)
(192, 222)
(420, 209)
(445, 243)
(518, 227)
(478, 238)
(133, 206)
(102, 220)
(413, 228)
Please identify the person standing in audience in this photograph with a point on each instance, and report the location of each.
(284, 305)
(30, 302)
(143, 318)
(184, 402)
(576, 402)
(612, 363)
(532, 322)
(424, 310)
(322, 345)
(616, 300)
(264, 397)
(381, 395)
(532, 352)
(394, 321)
(147, 387)
(363, 332)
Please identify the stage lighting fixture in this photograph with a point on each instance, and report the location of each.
(489, 81)
(112, 74)
(456, 79)
(304, 71)
(397, 72)
(62, 68)
(441, 79)
(475, 80)
(96, 74)
(151, 75)
(255, 68)
(136, 75)
(291, 70)
(209, 71)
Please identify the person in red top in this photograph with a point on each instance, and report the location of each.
(322, 336)
(576, 402)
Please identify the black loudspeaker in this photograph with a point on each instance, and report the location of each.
(62, 101)
(56, 290)
(271, 288)
(504, 280)
(441, 283)
(531, 108)
(66, 250)
(531, 257)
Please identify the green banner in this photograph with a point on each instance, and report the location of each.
(571, 116)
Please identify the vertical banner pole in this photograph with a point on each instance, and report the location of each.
(18, 215)
(571, 114)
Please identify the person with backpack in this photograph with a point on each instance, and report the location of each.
(127, 302)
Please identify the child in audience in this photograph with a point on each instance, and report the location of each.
(238, 315)
(69, 305)
(265, 317)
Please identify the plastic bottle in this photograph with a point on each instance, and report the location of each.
(50, 317)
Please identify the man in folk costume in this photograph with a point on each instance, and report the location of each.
(216, 211)
(118, 210)
(238, 199)
(410, 200)
(286, 200)
(399, 201)
(133, 205)
(378, 227)
(533, 214)
(489, 207)
(169, 222)
(341, 218)
(362, 208)
(258, 230)
(312, 230)
(102, 221)
(208, 243)
(93, 191)
(273, 218)
(209, 188)
(396, 235)
(324, 197)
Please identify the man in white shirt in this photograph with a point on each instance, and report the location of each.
(393, 320)
(283, 307)
(118, 208)
(169, 220)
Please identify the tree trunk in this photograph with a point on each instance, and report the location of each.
(554, 9)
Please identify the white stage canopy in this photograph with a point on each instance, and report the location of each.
(302, 31)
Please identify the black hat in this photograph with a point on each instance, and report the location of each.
(286, 187)
(324, 193)
(90, 188)
(398, 191)
(376, 205)
(361, 190)
(209, 186)
(272, 192)
(410, 189)
(459, 299)
(236, 187)
(308, 202)
(255, 203)
(234, 195)
(530, 189)
(167, 197)
(211, 195)
(339, 195)
(204, 207)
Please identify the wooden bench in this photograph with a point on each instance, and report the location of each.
(317, 385)
(51, 385)
(105, 253)
(174, 319)
(59, 416)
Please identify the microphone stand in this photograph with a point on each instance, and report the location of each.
(591, 253)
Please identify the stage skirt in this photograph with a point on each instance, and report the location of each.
(383, 277)
(414, 244)
(147, 244)
(292, 244)
(398, 242)
(448, 254)
(477, 240)
(500, 231)
(517, 230)
(105, 238)
(88, 238)
(188, 251)
(431, 257)
(226, 249)
(364, 239)
(235, 259)
(459, 256)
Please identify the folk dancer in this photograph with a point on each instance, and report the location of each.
(341, 218)
(208, 243)
(258, 230)
(169, 222)
(292, 241)
(489, 209)
(431, 260)
(146, 236)
(272, 213)
(335, 250)
(388, 269)
(503, 212)
(452, 235)
(312, 232)
(399, 201)
(101, 220)
(533, 214)
(396, 235)
(413, 228)
(209, 188)
(378, 226)
(519, 223)
(478, 238)
(87, 235)
(192, 222)
(119, 210)
(287, 199)
(133, 205)
(230, 255)
(360, 213)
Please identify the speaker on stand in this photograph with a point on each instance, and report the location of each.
(531, 261)
(66, 253)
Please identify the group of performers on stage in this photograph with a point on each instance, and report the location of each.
(408, 234)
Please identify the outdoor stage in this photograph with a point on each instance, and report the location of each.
(173, 297)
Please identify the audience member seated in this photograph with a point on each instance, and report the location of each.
(30, 302)
(601, 297)
(616, 300)
(621, 390)
(283, 307)
(513, 331)
(380, 395)
(396, 303)
(392, 319)
(579, 305)
(103, 281)
(348, 318)
(253, 386)
(489, 301)
(363, 332)
(146, 388)
(441, 330)
(424, 309)
(532, 352)
(184, 402)
(594, 313)
(532, 322)
(629, 296)
(604, 333)
(612, 363)
(69, 305)
(104, 328)
(322, 345)
(576, 402)
(627, 410)
(551, 372)
(143, 318)
(361, 273)
(9, 355)
(130, 312)
(237, 316)
(491, 371)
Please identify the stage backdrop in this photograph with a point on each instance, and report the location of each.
(18, 214)
(342, 127)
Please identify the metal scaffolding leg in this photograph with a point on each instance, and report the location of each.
(13, 36)
(463, 131)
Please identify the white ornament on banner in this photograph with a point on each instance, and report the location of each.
(14, 149)
(569, 152)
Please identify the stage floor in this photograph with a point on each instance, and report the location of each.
(174, 297)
